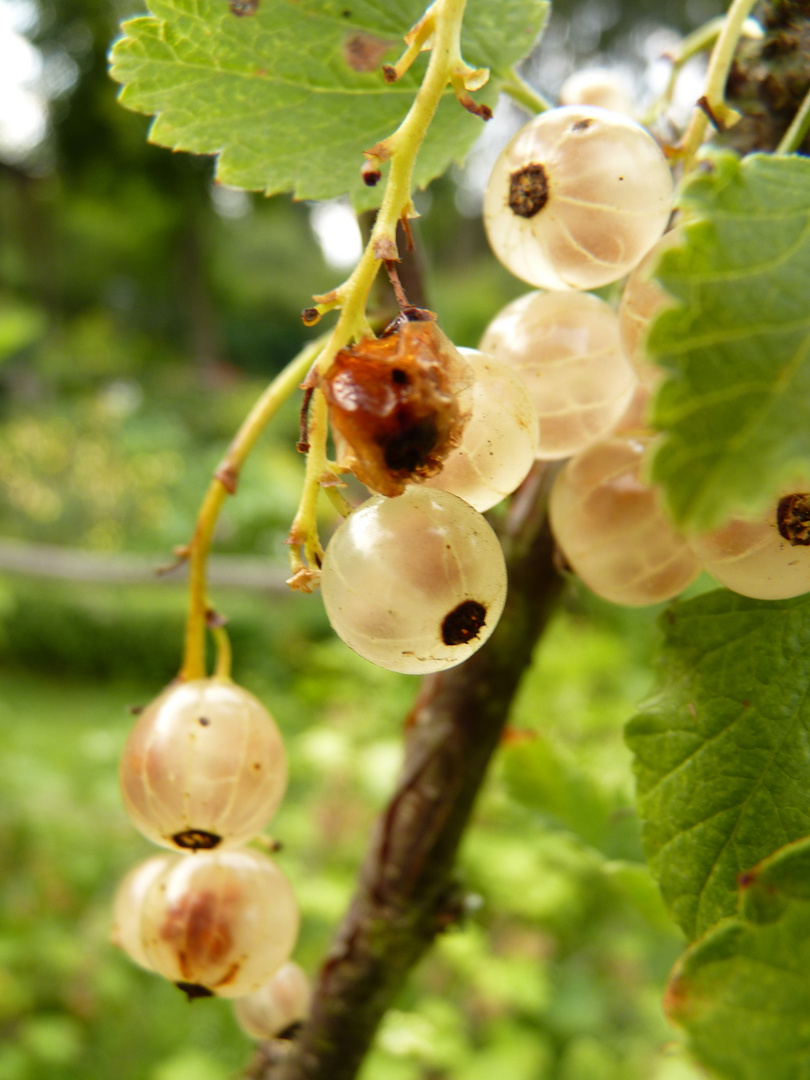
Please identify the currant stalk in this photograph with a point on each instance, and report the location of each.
(440, 31)
(711, 105)
(224, 483)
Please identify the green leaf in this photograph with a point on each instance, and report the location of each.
(540, 775)
(735, 411)
(722, 752)
(20, 326)
(277, 97)
(742, 993)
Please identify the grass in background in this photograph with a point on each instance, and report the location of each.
(555, 974)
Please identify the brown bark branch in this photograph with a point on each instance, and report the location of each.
(406, 893)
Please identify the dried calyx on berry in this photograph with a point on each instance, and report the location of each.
(397, 403)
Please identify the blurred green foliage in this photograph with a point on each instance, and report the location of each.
(556, 971)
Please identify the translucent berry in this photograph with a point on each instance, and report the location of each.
(128, 906)
(219, 922)
(203, 767)
(567, 348)
(499, 442)
(577, 198)
(277, 1006)
(767, 558)
(398, 404)
(416, 583)
(597, 86)
(642, 300)
(612, 530)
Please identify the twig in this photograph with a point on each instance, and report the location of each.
(406, 893)
(797, 132)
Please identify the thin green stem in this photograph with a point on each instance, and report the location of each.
(446, 65)
(797, 132)
(712, 103)
(692, 45)
(519, 90)
(222, 669)
(224, 483)
(343, 507)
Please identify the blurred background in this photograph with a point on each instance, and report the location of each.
(142, 308)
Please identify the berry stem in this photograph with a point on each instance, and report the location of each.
(711, 104)
(222, 668)
(797, 132)
(693, 44)
(519, 90)
(224, 483)
(446, 66)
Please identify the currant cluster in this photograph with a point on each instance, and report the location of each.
(580, 198)
(203, 771)
(414, 579)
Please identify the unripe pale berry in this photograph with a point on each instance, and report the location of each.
(767, 558)
(500, 439)
(219, 922)
(203, 767)
(128, 906)
(612, 529)
(566, 346)
(275, 1007)
(642, 300)
(597, 86)
(577, 198)
(415, 583)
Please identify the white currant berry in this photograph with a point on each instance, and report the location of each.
(414, 583)
(567, 348)
(577, 198)
(634, 419)
(642, 300)
(500, 439)
(203, 767)
(219, 922)
(766, 558)
(275, 1007)
(597, 86)
(128, 906)
(612, 529)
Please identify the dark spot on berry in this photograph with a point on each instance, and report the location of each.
(291, 1032)
(464, 623)
(581, 125)
(399, 376)
(410, 447)
(204, 721)
(528, 190)
(793, 519)
(194, 990)
(196, 840)
(257, 766)
(240, 8)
